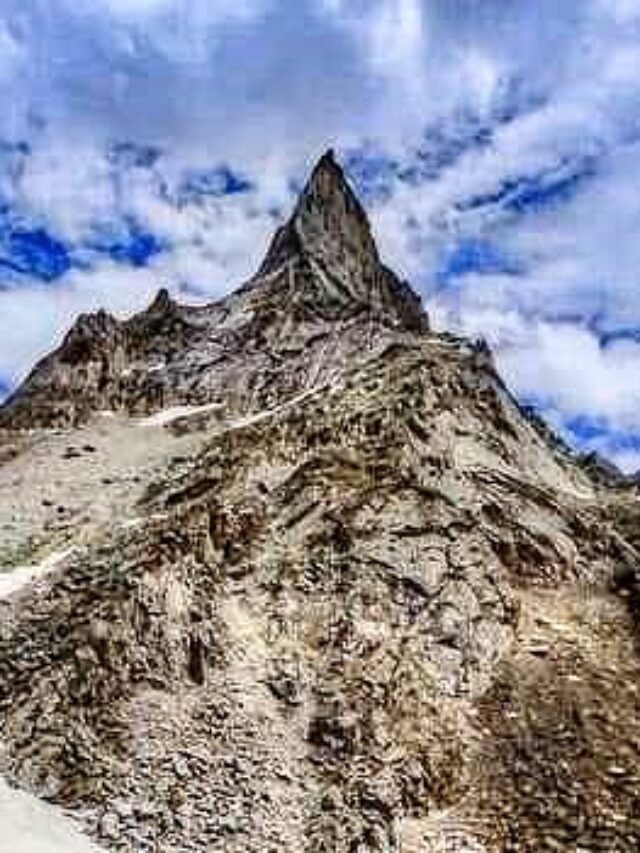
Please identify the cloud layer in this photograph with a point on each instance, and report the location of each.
(155, 142)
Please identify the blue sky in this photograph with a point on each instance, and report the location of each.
(148, 143)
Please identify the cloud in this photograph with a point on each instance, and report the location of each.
(622, 11)
(390, 34)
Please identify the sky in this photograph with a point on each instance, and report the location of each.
(496, 144)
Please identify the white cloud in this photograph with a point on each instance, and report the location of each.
(622, 11)
(627, 461)
(563, 366)
(571, 371)
(10, 52)
(395, 32)
(134, 8)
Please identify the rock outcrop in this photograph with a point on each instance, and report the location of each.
(373, 607)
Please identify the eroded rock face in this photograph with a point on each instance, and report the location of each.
(372, 608)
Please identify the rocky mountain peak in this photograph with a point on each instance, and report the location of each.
(328, 225)
(98, 324)
(89, 336)
(330, 221)
(328, 251)
(321, 295)
(163, 303)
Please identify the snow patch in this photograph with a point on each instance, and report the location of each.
(31, 826)
(16, 579)
(268, 413)
(167, 416)
(139, 521)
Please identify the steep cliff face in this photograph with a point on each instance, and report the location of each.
(339, 596)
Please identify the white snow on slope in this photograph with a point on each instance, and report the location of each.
(167, 416)
(28, 825)
(14, 579)
(268, 413)
(174, 413)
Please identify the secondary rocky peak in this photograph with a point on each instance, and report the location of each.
(162, 303)
(97, 323)
(89, 334)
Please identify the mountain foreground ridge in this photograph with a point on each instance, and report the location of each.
(294, 572)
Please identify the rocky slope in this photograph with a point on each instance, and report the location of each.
(318, 585)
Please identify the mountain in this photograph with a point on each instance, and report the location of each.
(294, 572)
(320, 287)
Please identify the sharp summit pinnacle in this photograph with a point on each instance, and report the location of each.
(328, 227)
